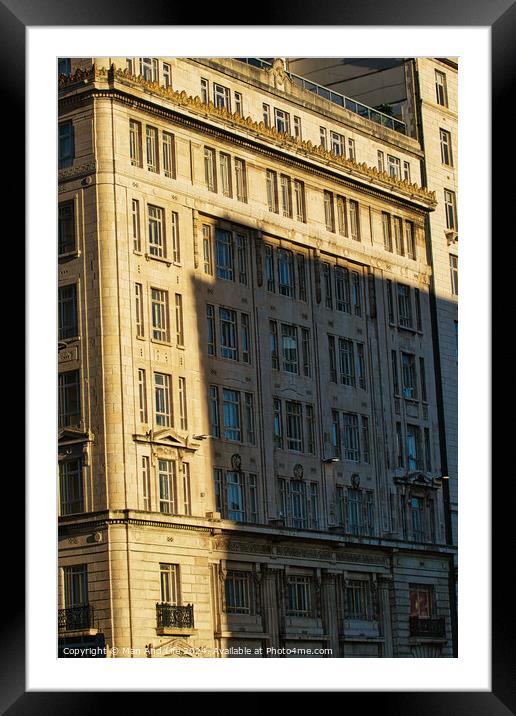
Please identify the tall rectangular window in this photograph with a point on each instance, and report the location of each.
(406, 172)
(365, 439)
(342, 289)
(272, 190)
(350, 437)
(167, 486)
(169, 583)
(410, 240)
(176, 244)
(221, 97)
(206, 249)
(167, 145)
(387, 235)
(358, 600)
(135, 142)
(289, 349)
(266, 111)
(231, 415)
(238, 104)
(241, 243)
(399, 446)
(187, 492)
(351, 150)
(342, 216)
(142, 395)
(71, 496)
(404, 306)
(135, 225)
(241, 180)
(160, 322)
(162, 400)
(180, 332)
(301, 278)
(224, 255)
(225, 174)
(390, 302)
(354, 220)
(347, 362)
(167, 75)
(245, 338)
(361, 366)
(210, 329)
(151, 146)
(305, 347)
(69, 399)
(286, 196)
(398, 235)
(157, 246)
(450, 209)
(337, 141)
(67, 300)
(235, 491)
(310, 429)
(408, 373)
(328, 293)
(332, 358)
(205, 91)
(446, 147)
(395, 378)
(422, 379)
(297, 127)
(146, 483)
(329, 215)
(75, 586)
(356, 293)
(323, 140)
(149, 69)
(299, 602)
(282, 121)
(277, 424)
(249, 418)
(335, 433)
(183, 412)
(428, 452)
(210, 171)
(414, 455)
(273, 340)
(454, 274)
(228, 334)
(286, 272)
(269, 269)
(417, 302)
(66, 150)
(294, 425)
(381, 161)
(66, 227)
(236, 587)
(138, 310)
(440, 89)
(214, 411)
(393, 166)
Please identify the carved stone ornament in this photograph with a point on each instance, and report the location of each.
(278, 74)
(355, 481)
(298, 471)
(236, 461)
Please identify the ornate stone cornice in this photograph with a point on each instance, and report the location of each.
(281, 140)
(77, 172)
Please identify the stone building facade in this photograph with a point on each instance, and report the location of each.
(250, 458)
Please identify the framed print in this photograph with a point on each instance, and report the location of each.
(257, 329)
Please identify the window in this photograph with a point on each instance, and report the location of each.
(176, 244)
(297, 127)
(346, 362)
(440, 89)
(399, 446)
(180, 334)
(237, 588)
(206, 248)
(266, 115)
(299, 597)
(328, 300)
(450, 209)
(323, 137)
(406, 172)
(67, 301)
(278, 424)
(417, 515)
(333, 362)
(414, 456)
(398, 235)
(417, 301)
(272, 191)
(408, 373)
(66, 149)
(289, 349)
(381, 161)
(138, 310)
(135, 225)
(428, 450)
(356, 292)
(221, 97)
(335, 433)
(365, 439)
(286, 196)
(69, 399)
(241, 180)
(387, 235)
(337, 142)
(361, 366)
(350, 437)
(157, 245)
(151, 145)
(301, 277)
(395, 379)
(75, 586)
(422, 379)
(64, 66)
(214, 410)
(342, 217)
(404, 306)
(225, 174)
(310, 429)
(66, 227)
(168, 155)
(241, 241)
(149, 69)
(236, 495)
(454, 274)
(142, 395)
(71, 498)
(342, 290)
(421, 601)
(167, 486)
(390, 303)
(135, 142)
(446, 147)
(160, 322)
(410, 240)
(224, 254)
(393, 167)
(228, 334)
(351, 149)
(245, 338)
(235, 491)
(183, 414)
(282, 121)
(210, 171)
(273, 341)
(360, 520)
(358, 600)
(146, 483)
(286, 272)
(205, 91)
(167, 75)
(329, 215)
(169, 583)
(305, 347)
(294, 425)
(238, 104)
(231, 415)
(187, 493)
(162, 400)
(210, 327)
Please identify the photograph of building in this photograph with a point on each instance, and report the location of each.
(257, 357)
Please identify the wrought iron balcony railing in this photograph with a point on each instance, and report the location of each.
(427, 627)
(76, 618)
(174, 616)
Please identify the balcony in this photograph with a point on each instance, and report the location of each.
(428, 627)
(76, 619)
(174, 619)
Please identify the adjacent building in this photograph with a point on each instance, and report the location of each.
(254, 448)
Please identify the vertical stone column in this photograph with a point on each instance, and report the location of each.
(384, 616)
(329, 610)
(270, 605)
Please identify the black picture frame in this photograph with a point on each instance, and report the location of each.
(500, 16)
